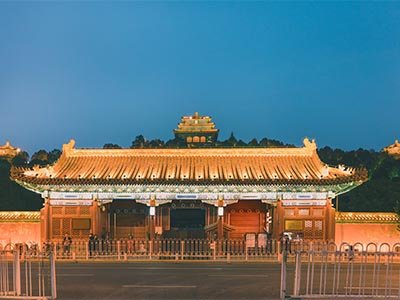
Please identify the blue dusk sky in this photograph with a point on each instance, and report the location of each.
(103, 72)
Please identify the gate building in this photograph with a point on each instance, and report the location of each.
(189, 192)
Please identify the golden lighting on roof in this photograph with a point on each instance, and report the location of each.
(218, 165)
(196, 123)
(9, 151)
(393, 150)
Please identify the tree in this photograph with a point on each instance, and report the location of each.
(157, 143)
(111, 146)
(12, 195)
(397, 211)
(139, 142)
(40, 158)
(265, 142)
(53, 156)
(175, 143)
(21, 159)
(253, 143)
(230, 142)
(241, 143)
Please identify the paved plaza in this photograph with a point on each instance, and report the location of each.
(186, 280)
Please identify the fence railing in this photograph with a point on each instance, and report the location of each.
(328, 270)
(165, 249)
(161, 249)
(27, 275)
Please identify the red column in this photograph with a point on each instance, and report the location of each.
(151, 227)
(45, 222)
(152, 216)
(220, 222)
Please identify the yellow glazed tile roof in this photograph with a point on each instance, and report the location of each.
(205, 165)
(19, 216)
(366, 217)
(8, 150)
(196, 124)
(393, 150)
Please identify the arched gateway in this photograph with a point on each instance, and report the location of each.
(194, 193)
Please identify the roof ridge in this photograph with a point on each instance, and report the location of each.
(309, 149)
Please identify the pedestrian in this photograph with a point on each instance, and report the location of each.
(67, 242)
(351, 252)
(103, 239)
(96, 244)
(107, 242)
(91, 244)
(130, 243)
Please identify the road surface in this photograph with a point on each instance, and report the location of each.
(154, 281)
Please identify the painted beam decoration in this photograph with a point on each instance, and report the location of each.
(274, 196)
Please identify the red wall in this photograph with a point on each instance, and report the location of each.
(16, 232)
(366, 233)
(344, 232)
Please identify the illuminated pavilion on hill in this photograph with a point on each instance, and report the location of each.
(8, 151)
(393, 150)
(187, 192)
(196, 130)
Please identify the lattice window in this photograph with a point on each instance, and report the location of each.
(80, 233)
(318, 212)
(289, 212)
(56, 227)
(66, 226)
(57, 210)
(85, 210)
(308, 229)
(318, 227)
(308, 224)
(304, 212)
(71, 210)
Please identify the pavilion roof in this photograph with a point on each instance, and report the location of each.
(8, 150)
(393, 150)
(208, 166)
(196, 123)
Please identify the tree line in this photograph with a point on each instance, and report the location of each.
(141, 142)
(380, 193)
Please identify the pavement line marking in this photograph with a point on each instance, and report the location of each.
(161, 268)
(139, 268)
(74, 275)
(161, 286)
(237, 275)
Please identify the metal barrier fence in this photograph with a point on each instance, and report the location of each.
(27, 275)
(159, 249)
(348, 271)
(165, 249)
